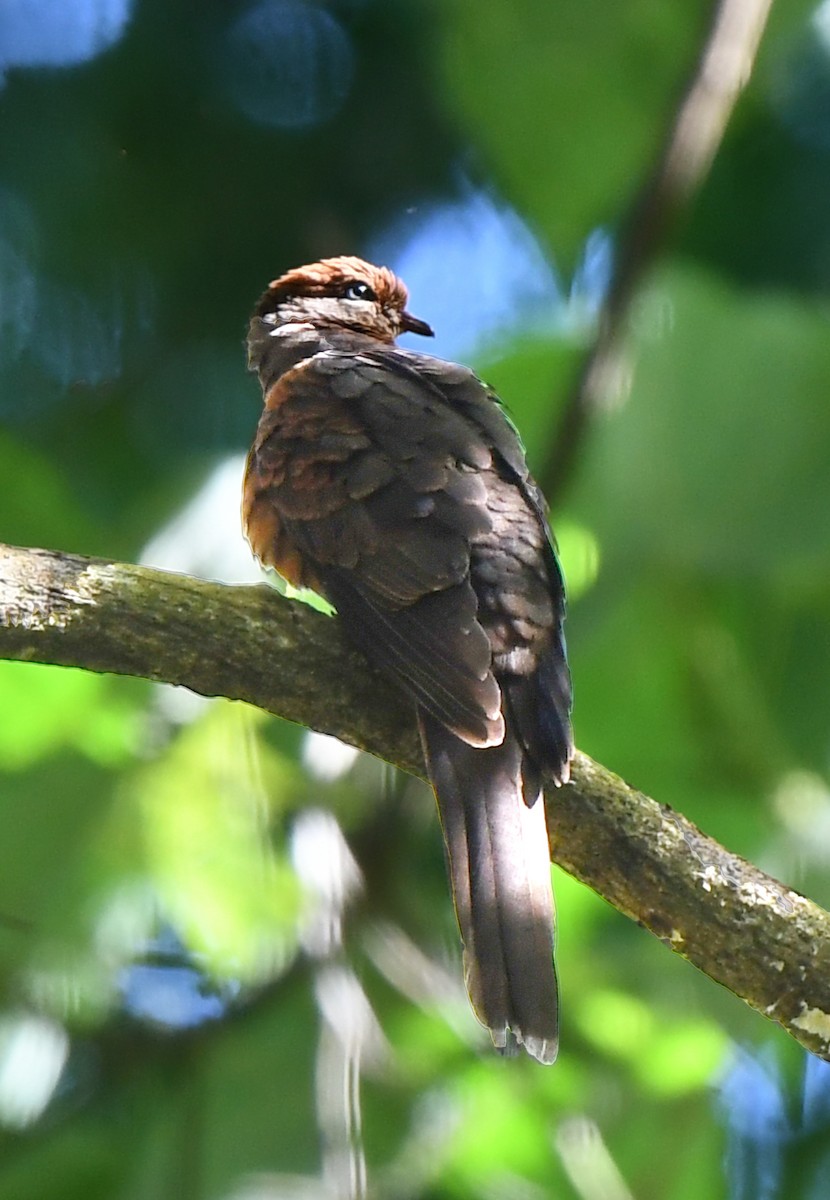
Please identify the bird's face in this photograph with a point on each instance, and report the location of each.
(345, 293)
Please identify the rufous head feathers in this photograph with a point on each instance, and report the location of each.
(346, 292)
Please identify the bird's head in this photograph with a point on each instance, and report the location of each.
(345, 293)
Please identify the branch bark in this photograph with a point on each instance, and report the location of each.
(766, 943)
(698, 124)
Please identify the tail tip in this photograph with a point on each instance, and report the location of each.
(509, 1041)
(562, 774)
(543, 1049)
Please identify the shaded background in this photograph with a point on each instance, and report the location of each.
(228, 961)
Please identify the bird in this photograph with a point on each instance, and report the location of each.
(393, 484)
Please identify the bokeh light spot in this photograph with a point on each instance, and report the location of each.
(288, 64)
(52, 33)
(478, 274)
(800, 82)
(33, 1051)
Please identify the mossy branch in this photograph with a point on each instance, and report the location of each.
(763, 941)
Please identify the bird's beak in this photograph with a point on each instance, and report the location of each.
(410, 324)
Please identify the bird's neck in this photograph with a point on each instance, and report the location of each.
(275, 349)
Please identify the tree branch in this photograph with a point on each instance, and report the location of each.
(720, 74)
(767, 944)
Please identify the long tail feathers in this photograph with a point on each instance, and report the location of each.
(499, 867)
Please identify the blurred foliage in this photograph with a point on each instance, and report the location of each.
(179, 1013)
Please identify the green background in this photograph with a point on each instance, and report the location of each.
(151, 918)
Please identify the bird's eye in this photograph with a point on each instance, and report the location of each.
(358, 291)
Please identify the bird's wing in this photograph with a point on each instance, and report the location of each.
(364, 482)
(515, 573)
(462, 389)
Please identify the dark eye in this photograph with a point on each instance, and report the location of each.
(358, 291)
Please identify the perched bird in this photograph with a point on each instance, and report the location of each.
(393, 484)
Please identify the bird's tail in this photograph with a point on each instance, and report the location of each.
(499, 866)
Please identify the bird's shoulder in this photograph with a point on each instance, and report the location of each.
(404, 394)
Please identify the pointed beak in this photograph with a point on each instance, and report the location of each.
(410, 324)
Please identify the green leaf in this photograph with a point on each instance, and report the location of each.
(566, 102)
